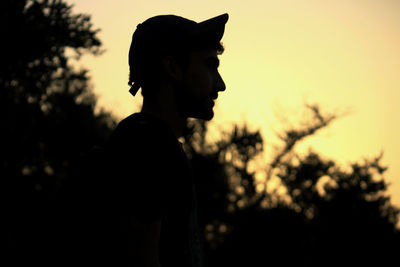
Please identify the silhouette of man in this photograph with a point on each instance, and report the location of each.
(175, 62)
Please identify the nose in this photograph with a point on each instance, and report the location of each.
(220, 84)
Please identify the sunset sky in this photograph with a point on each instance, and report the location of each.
(341, 54)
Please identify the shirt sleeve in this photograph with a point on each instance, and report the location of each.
(140, 168)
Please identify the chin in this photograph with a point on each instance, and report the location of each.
(209, 117)
(204, 115)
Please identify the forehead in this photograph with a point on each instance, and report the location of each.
(203, 55)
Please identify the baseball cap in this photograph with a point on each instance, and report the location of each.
(168, 34)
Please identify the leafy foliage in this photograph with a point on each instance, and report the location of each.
(50, 121)
(326, 217)
(50, 109)
(324, 211)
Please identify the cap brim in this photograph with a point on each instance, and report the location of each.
(214, 26)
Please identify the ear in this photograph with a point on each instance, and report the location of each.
(172, 69)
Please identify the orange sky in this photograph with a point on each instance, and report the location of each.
(341, 54)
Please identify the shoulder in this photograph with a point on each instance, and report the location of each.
(133, 124)
(143, 124)
(142, 133)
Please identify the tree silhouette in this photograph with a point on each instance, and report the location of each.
(51, 121)
(328, 216)
(326, 211)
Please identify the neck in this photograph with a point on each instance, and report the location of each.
(164, 107)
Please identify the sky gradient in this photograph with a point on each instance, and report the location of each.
(343, 55)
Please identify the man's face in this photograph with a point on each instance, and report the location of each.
(200, 85)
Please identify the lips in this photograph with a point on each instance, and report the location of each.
(212, 102)
(214, 97)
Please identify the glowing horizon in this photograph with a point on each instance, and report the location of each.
(342, 55)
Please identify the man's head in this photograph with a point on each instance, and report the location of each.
(180, 52)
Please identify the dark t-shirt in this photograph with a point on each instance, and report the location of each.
(151, 179)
